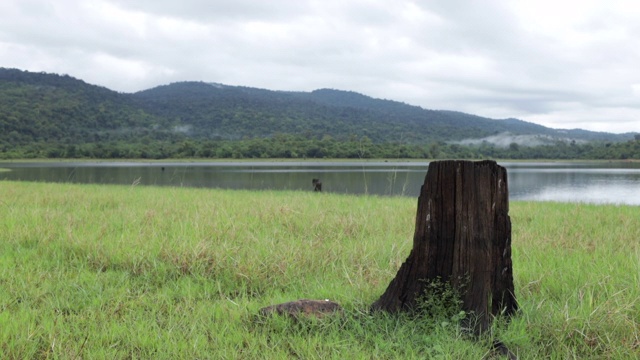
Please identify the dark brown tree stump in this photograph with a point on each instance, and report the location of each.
(462, 238)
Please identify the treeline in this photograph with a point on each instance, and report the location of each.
(301, 147)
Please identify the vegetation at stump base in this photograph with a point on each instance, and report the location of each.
(440, 300)
(462, 237)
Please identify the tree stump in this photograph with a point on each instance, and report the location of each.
(462, 238)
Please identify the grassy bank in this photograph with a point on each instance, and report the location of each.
(92, 271)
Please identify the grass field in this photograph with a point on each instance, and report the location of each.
(110, 272)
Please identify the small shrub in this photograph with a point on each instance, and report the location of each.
(441, 301)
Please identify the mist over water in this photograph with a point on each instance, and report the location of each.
(593, 182)
(504, 140)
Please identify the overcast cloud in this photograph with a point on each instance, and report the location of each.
(558, 63)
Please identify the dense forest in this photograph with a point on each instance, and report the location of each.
(56, 116)
(300, 147)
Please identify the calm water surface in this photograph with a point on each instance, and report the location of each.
(594, 182)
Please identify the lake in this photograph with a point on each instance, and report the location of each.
(593, 182)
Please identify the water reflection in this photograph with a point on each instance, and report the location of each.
(597, 182)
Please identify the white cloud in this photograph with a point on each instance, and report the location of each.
(561, 64)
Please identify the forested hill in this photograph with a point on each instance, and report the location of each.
(221, 111)
(39, 107)
(50, 108)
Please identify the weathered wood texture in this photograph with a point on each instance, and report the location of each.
(463, 237)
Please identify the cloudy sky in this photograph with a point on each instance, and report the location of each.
(558, 63)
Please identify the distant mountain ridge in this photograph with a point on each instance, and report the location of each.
(40, 107)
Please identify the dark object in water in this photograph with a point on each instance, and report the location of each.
(317, 184)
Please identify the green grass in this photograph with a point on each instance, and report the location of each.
(90, 271)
